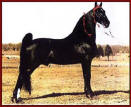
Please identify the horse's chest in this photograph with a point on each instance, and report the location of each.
(83, 49)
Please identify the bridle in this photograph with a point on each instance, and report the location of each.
(84, 23)
(94, 9)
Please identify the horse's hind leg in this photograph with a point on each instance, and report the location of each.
(25, 72)
(86, 66)
(16, 92)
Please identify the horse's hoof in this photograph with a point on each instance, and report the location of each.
(19, 100)
(90, 94)
(15, 100)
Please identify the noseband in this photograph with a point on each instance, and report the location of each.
(84, 24)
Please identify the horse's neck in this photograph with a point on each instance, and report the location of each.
(91, 25)
(79, 32)
(79, 26)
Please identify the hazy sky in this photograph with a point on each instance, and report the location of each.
(58, 19)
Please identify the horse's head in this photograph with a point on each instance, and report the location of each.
(100, 15)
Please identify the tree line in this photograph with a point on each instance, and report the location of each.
(107, 50)
(11, 47)
(103, 50)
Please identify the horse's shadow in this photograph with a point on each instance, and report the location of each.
(97, 93)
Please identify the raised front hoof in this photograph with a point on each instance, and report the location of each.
(16, 100)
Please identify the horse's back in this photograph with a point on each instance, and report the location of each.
(59, 51)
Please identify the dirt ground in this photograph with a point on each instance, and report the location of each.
(65, 85)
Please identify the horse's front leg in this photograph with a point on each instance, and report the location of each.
(86, 66)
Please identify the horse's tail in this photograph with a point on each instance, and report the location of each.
(27, 40)
(25, 61)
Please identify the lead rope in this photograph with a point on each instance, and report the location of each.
(114, 37)
(109, 34)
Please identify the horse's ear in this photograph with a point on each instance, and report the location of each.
(95, 4)
(101, 4)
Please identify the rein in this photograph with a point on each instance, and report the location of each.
(84, 23)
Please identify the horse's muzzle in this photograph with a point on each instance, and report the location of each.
(107, 24)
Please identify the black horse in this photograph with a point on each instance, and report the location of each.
(78, 47)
